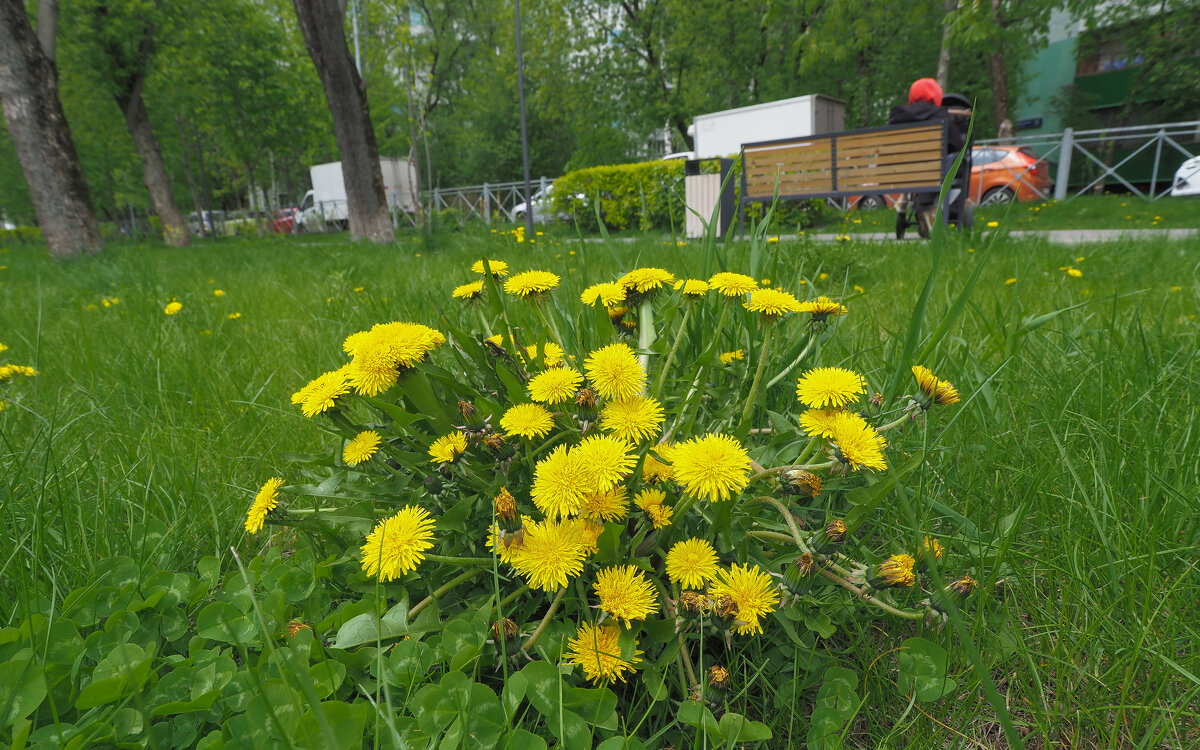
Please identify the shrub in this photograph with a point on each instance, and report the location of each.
(646, 195)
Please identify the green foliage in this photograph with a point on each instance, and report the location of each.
(646, 195)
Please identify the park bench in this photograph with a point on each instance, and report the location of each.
(903, 158)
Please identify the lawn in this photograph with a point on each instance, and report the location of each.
(1062, 480)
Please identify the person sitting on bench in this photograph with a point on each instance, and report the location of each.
(925, 105)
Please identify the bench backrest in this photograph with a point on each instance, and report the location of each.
(894, 159)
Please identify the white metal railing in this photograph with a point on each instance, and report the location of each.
(486, 201)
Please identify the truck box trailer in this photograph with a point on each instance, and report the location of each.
(326, 203)
(723, 133)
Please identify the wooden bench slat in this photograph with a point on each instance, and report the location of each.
(870, 160)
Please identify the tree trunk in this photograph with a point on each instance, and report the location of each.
(999, 71)
(943, 66)
(42, 138)
(193, 190)
(321, 25)
(153, 172)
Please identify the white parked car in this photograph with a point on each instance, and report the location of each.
(1187, 179)
(543, 205)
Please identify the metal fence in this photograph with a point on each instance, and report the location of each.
(1091, 159)
(488, 202)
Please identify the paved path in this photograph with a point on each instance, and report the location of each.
(1057, 236)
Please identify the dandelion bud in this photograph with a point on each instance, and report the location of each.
(876, 400)
(504, 630)
(719, 680)
(629, 323)
(494, 442)
(897, 570)
(828, 538)
(618, 312)
(506, 510)
(801, 482)
(724, 612)
(295, 626)
(691, 605)
(930, 548)
(434, 484)
(585, 398)
(797, 576)
(959, 590)
(466, 409)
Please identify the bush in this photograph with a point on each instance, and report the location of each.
(24, 235)
(646, 195)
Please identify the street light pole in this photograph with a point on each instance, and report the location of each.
(524, 132)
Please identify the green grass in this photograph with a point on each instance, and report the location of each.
(1071, 468)
(1083, 212)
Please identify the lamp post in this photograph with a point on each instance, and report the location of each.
(524, 132)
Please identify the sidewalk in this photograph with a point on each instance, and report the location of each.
(1057, 236)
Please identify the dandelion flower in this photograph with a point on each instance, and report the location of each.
(555, 386)
(608, 293)
(552, 355)
(468, 291)
(361, 448)
(173, 308)
(605, 459)
(265, 501)
(939, 391)
(643, 280)
(447, 448)
(610, 505)
(819, 422)
(625, 593)
(772, 303)
(714, 466)
(692, 287)
(1074, 273)
(658, 468)
(632, 419)
(499, 267)
(692, 563)
(527, 421)
(398, 543)
(531, 283)
(659, 515)
(729, 357)
(858, 444)
(380, 353)
(551, 553)
(216, 293)
(597, 651)
(733, 284)
(560, 481)
(589, 534)
(615, 372)
(825, 387)
(897, 570)
(822, 307)
(321, 393)
(752, 591)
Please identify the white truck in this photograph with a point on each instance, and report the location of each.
(723, 133)
(325, 204)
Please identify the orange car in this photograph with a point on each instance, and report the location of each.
(998, 175)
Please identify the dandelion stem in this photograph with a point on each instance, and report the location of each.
(541, 628)
(473, 561)
(903, 418)
(787, 516)
(748, 409)
(686, 658)
(812, 339)
(439, 592)
(509, 599)
(772, 536)
(662, 376)
(865, 596)
(552, 326)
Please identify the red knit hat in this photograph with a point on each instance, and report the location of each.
(925, 90)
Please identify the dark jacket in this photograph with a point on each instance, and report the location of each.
(922, 111)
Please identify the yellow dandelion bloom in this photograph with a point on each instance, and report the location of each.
(625, 593)
(692, 287)
(551, 553)
(447, 448)
(552, 357)
(265, 501)
(733, 284)
(360, 449)
(468, 291)
(555, 386)
(598, 652)
(560, 482)
(499, 267)
(608, 293)
(819, 422)
(605, 459)
(216, 293)
(527, 421)
(659, 515)
(736, 354)
(825, 387)
(939, 391)
(644, 280)
(897, 570)
(692, 563)
(610, 505)
(714, 466)
(615, 372)
(531, 283)
(858, 443)
(772, 303)
(398, 543)
(753, 592)
(380, 353)
(589, 534)
(632, 419)
(658, 468)
(649, 497)
(173, 308)
(322, 393)
(822, 307)
(1074, 273)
